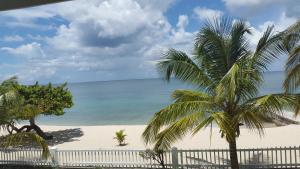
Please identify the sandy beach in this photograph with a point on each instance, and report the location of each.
(101, 137)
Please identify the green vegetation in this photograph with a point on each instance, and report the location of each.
(120, 137)
(292, 45)
(227, 75)
(20, 102)
(11, 106)
(39, 100)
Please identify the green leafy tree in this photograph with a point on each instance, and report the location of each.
(291, 40)
(227, 75)
(11, 108)
(120, 137)
(41, 100)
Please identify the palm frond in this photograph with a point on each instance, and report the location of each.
(178, 64)
(228, 85)
(291, 36)
(292, 80)
(239, 84)
(239, 45)
(212, 47)
(273, 103)
(269, 48)
(222, 120)
(172, 113)
(190, 95)
(18, 138)
(253, 120)
(177, 130)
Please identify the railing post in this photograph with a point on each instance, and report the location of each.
(54, 156)
(174, 158)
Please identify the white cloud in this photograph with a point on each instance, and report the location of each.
(286, 13)
(280, 24)
(257, 7)
(111, 24)
(28, 15)
(205, 13)
(31, 73)
(232, 4)
(13, 38)
(112, 39)
(30, 50)
(183, 21)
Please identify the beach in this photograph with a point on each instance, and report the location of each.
(101, 137)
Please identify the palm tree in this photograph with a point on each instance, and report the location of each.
(120, 136)
(227, 75)
(12, 109)
(291, 43)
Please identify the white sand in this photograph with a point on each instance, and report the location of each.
(101, 137)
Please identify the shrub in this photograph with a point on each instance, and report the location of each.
(120, 137)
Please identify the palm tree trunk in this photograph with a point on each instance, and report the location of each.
(233, 155)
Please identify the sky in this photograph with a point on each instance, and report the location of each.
(100, 40)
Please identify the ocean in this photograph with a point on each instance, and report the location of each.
(127, 102)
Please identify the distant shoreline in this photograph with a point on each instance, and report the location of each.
(130, 79)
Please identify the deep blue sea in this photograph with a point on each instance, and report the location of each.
(128, 101)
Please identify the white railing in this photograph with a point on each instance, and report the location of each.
(282, 157)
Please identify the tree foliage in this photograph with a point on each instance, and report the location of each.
(48, 99)
(227, 75)
(35, 100)
(291, 40)
(11, 110)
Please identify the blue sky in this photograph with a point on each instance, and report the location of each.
(94, 40)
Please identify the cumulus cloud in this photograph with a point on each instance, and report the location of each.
(205, 13)
(280, 24)
(111, 24)
(183, 21)
(27, 17)
(102, 39)
(106, 39)
(31, 50)
(107, 42)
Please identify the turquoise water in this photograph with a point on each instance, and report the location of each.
(128, 101)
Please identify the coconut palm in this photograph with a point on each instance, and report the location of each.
(120, 136)
(12, 110)
(292, 45)
(227, 75)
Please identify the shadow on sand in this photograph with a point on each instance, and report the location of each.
(59, 137)
(63, 136)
